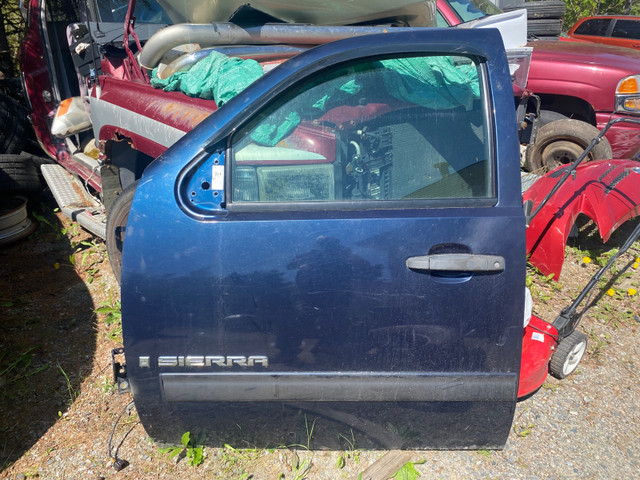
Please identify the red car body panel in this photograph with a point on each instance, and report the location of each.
(606, 191)
(538, 343)
(37, 79)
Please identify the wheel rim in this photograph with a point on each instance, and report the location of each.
(561, 153)
(574, 357)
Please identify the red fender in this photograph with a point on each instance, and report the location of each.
(606, 191)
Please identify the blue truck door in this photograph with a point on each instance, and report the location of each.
(340, 248)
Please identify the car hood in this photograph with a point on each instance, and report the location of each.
(328, 12)
(587, 53)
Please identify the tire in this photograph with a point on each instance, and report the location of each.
(542, 9)
(15, 223)
(116, 226)
(545, 27)
(548, 116)
(19, 174)
(563, 141)
(13, 125)
(545, 9)
(568, 355)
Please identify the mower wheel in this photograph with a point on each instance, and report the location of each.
(568, 354)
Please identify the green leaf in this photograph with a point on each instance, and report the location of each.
(105, 310)
(195, 456)
(186, 437)
(407, 472)
(341, 462)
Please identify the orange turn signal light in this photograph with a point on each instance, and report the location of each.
(628, 85)
(64, 107)
(632, 103)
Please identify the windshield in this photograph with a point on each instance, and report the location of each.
(469, 10)
(327, 12)
(147, 11)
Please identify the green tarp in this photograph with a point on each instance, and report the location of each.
(431, 81)
(215, 77)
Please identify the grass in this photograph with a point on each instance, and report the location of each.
(193, 452)
(19, 366)
(111, 314)
(70, 390)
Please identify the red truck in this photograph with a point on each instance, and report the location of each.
(582, 82)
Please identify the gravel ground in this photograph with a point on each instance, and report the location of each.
(57, 409)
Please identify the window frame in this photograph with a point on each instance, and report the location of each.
(587, 22)
(374, 205)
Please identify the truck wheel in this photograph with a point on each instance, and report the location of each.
(568, 355)
(18, 174)
(563, 141)
(13, 125)
(116, 225)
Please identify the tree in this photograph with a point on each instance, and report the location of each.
(585, 8)
(11, 30)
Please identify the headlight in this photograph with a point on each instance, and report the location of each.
(628, 95)
(519, 61)
(528, 306)
(295, 183)
(245, 184)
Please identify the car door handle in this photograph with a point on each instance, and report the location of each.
(457, 262)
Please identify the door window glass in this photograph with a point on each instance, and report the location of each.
(384, 129)
(626, 29)
(595, 27)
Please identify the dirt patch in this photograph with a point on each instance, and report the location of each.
(58, 406)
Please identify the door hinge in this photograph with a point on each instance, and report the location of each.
(119, 372)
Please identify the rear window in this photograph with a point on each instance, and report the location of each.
(626, 29)
(595, 27)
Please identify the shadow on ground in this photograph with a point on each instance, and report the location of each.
(47, 335)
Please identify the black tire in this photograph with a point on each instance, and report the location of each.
(116, 225)
(563, 141)
(548, 116)
(13, 125)
(548, 27)
(545, 9)
(19, 174)
(568, 354)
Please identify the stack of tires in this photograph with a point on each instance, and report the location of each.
(18, 170)
(19, 175)
(544, 17)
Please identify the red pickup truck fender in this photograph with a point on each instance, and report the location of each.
(606, 191)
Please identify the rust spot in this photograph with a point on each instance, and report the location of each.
(180, 115)
(79, 191)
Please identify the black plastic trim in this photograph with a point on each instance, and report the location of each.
(338, 387)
